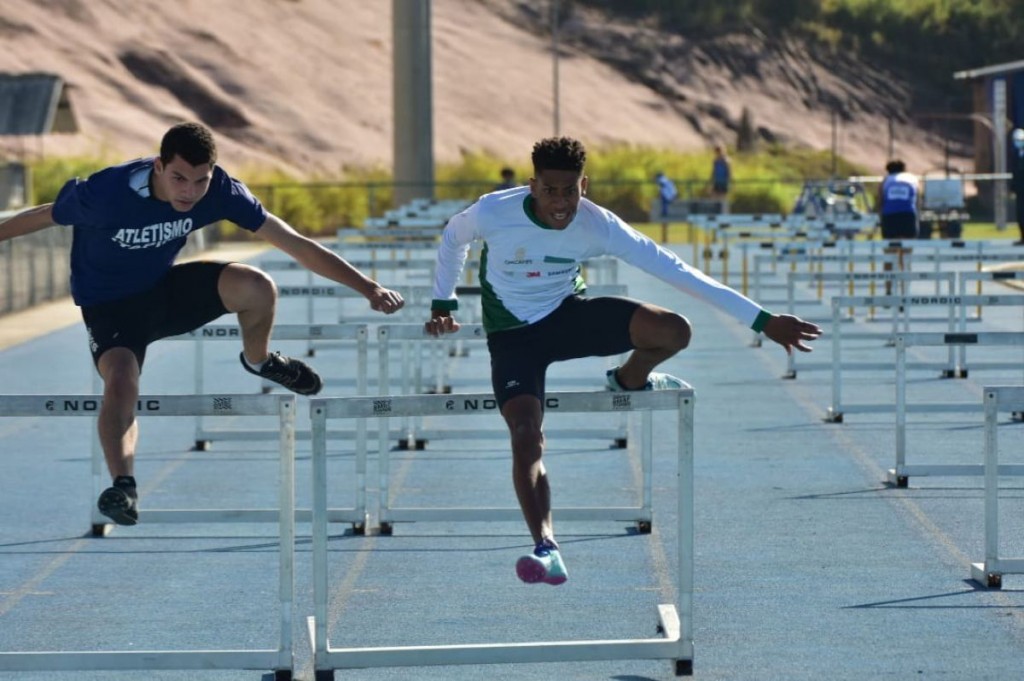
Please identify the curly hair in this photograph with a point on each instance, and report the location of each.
(193, 142)
(559, 153)
(895, 166)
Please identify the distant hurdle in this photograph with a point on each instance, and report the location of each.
(990, 572)
(674, 620)
(279, 659)
(903, 279)
(901, 307)
(900, 474)
(358, 334)
(205, 435)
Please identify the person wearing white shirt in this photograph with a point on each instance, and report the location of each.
(535, 312)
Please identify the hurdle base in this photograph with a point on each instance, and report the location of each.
(357, 517)
(146, 661)
(987, 579)
(899, 476)
(389, 515)
(670, 645)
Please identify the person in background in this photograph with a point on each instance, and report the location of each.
(897, 201)
(535, 313)
(508, 179)
(129, 223)
(721, 173)
(1017, 183)
(667, 193)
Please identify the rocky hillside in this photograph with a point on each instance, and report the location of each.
(306, 84)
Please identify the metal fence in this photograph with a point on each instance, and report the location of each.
(36, 268)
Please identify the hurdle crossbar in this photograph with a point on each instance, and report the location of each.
(990, 571)
(675, 620)
(280, 660)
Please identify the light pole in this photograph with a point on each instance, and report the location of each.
(555, 95)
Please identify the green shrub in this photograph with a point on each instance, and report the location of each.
(621, 179)
(50, 174)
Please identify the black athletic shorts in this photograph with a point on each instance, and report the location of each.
(185, 299)
(579, 327)
(897, 226)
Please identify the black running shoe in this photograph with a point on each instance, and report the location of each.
(120, 502)
(293, 374)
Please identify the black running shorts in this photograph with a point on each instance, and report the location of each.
(185, 299)
(579, 327)
(897, 226)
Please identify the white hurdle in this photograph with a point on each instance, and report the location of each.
(900, 474)
(388, 514)
(904, 279)
(675, 620)
(280, 659)
(205, 435)
(414, 435)
(990, 572)
(955, 321)
(356, 333)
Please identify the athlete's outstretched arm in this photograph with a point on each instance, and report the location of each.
(328, 264)
(27, 221)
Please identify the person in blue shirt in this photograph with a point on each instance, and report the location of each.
(897, 207)
(721, 174)
(667, 192)
(129, 222)
(508, 179)
(897, 200)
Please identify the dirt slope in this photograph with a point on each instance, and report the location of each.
(306, 84)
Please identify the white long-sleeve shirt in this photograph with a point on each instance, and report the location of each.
(527, 269)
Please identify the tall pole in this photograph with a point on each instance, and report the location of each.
(413, 137)
(834, 142)
(556, 94)
(999, 152)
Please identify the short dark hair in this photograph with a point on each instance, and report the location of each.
(193, 142)
(559, 153)
(895, 166)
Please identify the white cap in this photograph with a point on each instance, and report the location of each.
(1018, 136)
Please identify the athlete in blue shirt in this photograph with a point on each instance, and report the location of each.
(897, 199)
(130, 221)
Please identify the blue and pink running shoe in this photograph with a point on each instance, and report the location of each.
(543, 565)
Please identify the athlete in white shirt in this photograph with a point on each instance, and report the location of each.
(535, 240)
